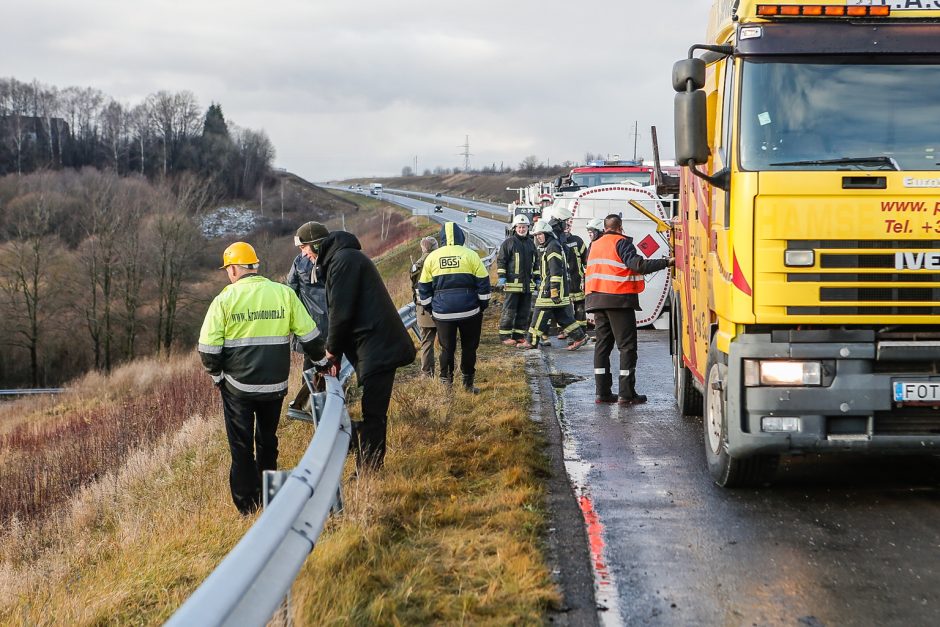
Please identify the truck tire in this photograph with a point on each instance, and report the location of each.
(688, 399)
(727, 471)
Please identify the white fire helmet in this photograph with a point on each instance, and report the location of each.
(541, 226)
(520, 219)
(561, 213)
(596, 223)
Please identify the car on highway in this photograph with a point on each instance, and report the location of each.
(437, 195)
(438, 209)
(472, 213)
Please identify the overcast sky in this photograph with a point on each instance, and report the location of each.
(362, 87)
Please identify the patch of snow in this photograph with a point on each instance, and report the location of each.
(228, 221)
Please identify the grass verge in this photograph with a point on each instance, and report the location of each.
(449, 532)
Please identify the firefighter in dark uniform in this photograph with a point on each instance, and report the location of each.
(516, 271)
(455, 287)
(245, 346)
(614, 281)
(576, 251)
(552, 300)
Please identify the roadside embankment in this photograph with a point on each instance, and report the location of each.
(450, 531)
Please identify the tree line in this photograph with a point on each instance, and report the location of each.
(44, 127)
(95, 269)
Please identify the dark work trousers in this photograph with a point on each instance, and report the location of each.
(514, 321)
(369, 434)
(579, 314)
(428, 334)
(615, 325)
(470, 330)
(251, 426)
(563, 315)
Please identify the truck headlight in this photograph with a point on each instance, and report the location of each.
(777, 372)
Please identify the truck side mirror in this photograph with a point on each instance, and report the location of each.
(688, 70)
(691, 127)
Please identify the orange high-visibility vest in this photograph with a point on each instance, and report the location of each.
(606, 273)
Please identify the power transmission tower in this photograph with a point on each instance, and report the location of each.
(466, 154)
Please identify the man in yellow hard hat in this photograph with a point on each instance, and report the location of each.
(245, 346)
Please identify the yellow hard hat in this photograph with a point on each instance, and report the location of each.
(239, 254)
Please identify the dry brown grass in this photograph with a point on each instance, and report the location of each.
(447, 533)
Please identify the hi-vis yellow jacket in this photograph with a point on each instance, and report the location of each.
(245, 337)
(454, 283)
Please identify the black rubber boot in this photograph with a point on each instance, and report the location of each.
(468, 384)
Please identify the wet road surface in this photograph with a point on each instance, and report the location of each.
(833, 541)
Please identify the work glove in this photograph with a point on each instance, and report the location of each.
(501, 281)
(556, 296)
(483, 305)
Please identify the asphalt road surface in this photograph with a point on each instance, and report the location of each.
(833, 541)
(492, 231)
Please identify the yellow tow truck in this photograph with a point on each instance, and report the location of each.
(806, 301)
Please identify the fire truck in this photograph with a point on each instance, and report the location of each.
(806, 302)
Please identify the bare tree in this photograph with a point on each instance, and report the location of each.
(102, 223)
(25, 281)
(133, 199)
(175, 240)
(114, 126)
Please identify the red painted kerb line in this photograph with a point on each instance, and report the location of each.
(595, 531)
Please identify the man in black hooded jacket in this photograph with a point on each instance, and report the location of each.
(366, 328)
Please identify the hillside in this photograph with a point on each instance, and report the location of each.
(485, 187)
(449, 533)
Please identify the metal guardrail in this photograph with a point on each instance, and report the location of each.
(24, 392)
(250, 584)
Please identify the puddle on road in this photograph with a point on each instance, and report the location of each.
(605, 586)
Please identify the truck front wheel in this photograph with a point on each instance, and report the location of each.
(727, 471)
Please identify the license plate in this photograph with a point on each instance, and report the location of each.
(916, 391)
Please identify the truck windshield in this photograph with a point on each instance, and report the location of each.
(592, 179)
(839, 115)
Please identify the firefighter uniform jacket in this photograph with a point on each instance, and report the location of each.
(576, 259)
(454, 283)
(517, 262)
(245, 337)
(615, 273)
(554, 273)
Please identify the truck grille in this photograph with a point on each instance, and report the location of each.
(881, 297)
(908, 421)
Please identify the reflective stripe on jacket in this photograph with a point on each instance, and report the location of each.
(517, 262)
(453, 280)
(245, 337)
(606, 271)
(577, 258)
(554, 275)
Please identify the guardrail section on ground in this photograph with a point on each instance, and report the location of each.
(250, 583)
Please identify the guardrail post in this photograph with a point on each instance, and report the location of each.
(271, 482)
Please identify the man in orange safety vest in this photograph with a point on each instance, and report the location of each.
(613, 282)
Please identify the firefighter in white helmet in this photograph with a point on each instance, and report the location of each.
(552, 300)
(595, 228)
(517, 272)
